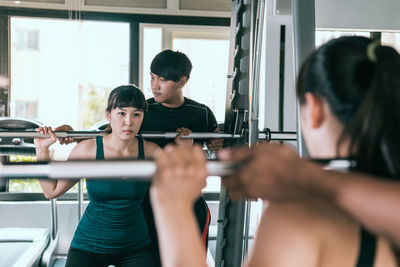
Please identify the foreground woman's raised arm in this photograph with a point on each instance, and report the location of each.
(181, 174)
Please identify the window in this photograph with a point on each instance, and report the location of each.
(77, 61)
(391, 39)
(323, 36)
(62, 72)
(387, 38)
(208, 50)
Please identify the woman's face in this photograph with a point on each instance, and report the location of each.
(125, 122)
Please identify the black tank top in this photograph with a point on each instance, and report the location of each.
(113, 221)
(100, 150)
(366, 256)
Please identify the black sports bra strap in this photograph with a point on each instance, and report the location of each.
(140, 148)
(99, 147)
(366, 256)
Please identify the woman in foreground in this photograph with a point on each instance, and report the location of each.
(349, 91)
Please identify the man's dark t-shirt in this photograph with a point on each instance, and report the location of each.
(191, 114)
(197, 118)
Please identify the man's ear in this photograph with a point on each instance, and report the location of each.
(182, 81)
(315, 110)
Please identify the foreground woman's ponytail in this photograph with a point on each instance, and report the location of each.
(375, 128)
(360, 80)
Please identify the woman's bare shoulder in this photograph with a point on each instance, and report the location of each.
(297, 214)
(285, 228)
(150, 148)
(84, 150)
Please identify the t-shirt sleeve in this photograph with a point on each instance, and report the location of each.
(212, 122)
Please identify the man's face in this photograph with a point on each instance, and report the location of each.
(166, 91)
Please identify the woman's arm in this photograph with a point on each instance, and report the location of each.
(150, 149)
(181, 174)
(51, 188)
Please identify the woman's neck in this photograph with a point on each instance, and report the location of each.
(327, 142)
(118, 147)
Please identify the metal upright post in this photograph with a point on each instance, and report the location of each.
(229, 247)
(241, 112)
(304, 43)
(54, 218)
(80, 199)
(257, 19)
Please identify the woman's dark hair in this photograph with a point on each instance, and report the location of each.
(126, 96)
(171, 65)
(360, 80)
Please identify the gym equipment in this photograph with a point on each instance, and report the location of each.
(97, 169)
(11, 145)
(266, 134)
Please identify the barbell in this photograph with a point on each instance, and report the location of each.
(263, 135)
(121, 169)
(98, 169)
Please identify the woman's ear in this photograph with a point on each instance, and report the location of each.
(108, 115)
(314, 110)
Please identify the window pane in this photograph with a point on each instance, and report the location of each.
(207, 83)
(152, 40)
(62, 72)
(391, 39)
(322, 36)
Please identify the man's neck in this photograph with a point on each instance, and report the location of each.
(174, 103)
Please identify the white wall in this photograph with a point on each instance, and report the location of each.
(358, 14)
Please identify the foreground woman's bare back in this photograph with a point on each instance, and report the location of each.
(311, 233)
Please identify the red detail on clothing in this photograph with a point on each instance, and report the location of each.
(205, 230)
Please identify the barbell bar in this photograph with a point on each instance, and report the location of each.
(98, 169)
(264, 135)
(121, 169)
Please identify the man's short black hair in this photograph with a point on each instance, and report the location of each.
(171, 65)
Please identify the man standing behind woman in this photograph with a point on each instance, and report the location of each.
(170, 111)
